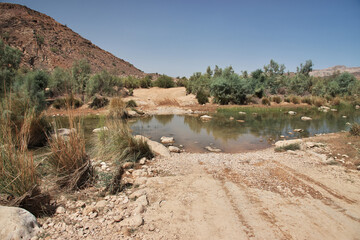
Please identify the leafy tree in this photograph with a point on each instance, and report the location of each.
(209, 72)
(217, 71)
(60, 82)
(9, 62)
(81, 73)
(102, 83)
(165, 82)
(306, 68)
(273, 68)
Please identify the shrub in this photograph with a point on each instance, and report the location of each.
(287, 99)
(295, 99)
(60, 82)
(229, 89)
(336, 101)
(182, 82)
(99, 102)
(68, 158)
(103, 83)
(130, 82)
(131, 104)
(202, 97)
(67, 102)
(165, 82)
(265, 101)
(292, 147)
(318, 101)
(276, 99)
(355, 129)
(145, 82)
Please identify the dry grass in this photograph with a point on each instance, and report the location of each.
(68, 158)
(168, 102)
(117, 108)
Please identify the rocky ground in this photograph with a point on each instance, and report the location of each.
(304, 194)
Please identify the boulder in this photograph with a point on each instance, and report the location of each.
(284, 143)
(211, 149)
(231, 118)
(240, 121)
(64, 132)
(97, 130)
(205, 118)
(133, 222)
(334, 110)
(357, 107)
(166, 140)
(324, 109)
(156, 148)
(17, 223)
(174, 149)
(298, 130)
(291, 113)
(306, 118)
(242, 113)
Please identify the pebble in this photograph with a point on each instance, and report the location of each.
(60, 210)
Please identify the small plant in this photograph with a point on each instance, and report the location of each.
(68, 158)
(202, 97)
(131, 104)
(336, 101)
(295, 99)
(276, 99)
(355, 129)
(318, 101)
(292, 147)
(54, 50)
(307, 100)
(39, 39)
(265, 101)
(287, 99)
(99, 102)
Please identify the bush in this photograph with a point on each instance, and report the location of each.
(182, 82)
(68, 158)
(60, 82)
(287, 99)
(265, 101)
(355, 129)
(164, 82)
(295, 99)
(276, 99)
(292, 147)
(145, 82)
(99, 102)
(318, 101)
(336, 101)
(67, 102)
(229, 88)
(103, 83)
(130, 82)
(131, 104)
(307, 100)
(202, 97)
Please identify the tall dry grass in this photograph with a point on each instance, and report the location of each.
(117, 108)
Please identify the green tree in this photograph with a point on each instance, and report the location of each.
(165, 82)
(80, 73)
(306, 68)
(60, 82)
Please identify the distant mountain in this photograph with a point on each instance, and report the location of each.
(333, 70)
(45, 43)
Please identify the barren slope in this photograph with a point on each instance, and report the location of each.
(45, 43)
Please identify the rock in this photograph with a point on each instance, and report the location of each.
(101, 204)
(138, 210)
(17, 223)
(334, 110)
(140, 181)
(231, 118)
(313, 144)
(323, 109)
(137, 194)
(93, 215)
(241, 121)
(174, 149)
(97, 130)
(139, 173)
(291, 113)
(156, 148)
(349, 124)
(306, 118)
(128, 165)
(118, 218)
(285, 143)
(142, 201)
(166, 140)
(344, 116)
(133, 222)
(358, 167)
(298, 130)
(63, 132)
(211, 149)
(282, 136)
(60, 210)
(205, 118)
(242, 113)
(151, 227)
(132, 113)
(87, 210)
(357, 107)
(142, 161)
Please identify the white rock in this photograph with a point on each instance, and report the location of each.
(101, 204)
(140, 181)
(166, 140)
(139, 173)
(142, 161)
(138, 210)
(205, 117)
(242, 113)
(334, 110)
(156, 148)
(174, 149)
(298, 130)
(134, 221)
(231, 118)
(17, 223)
(357, 107)
(291, 113)
(142, 201)
(60, 210)
(306, 118)
(97, 130)
(211, 149)
(285, 143)
(137, 194)
(344, 116)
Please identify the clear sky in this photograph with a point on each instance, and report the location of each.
(180, 37)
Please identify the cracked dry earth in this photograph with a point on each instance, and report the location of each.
(256, 195)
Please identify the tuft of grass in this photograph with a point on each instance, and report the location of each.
(307, 100)
(318, 101)
(67, 102)
(265, 101)
(293, 147)
(295, 99)
(117, 108)
(276, 99)
(68, 158)
(117, 144)
(355, 129)
(99, 102)
(131, 104)
(168, 102)
(287, 99)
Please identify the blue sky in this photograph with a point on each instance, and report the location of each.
(180, 37)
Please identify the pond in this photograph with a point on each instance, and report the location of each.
(252, 132)
(255, 131)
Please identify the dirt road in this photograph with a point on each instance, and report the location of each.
(259, 195)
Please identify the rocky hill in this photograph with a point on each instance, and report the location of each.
(46, 44)
(333, 70)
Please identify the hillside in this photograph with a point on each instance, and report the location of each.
(332, 70)
(45, 43)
